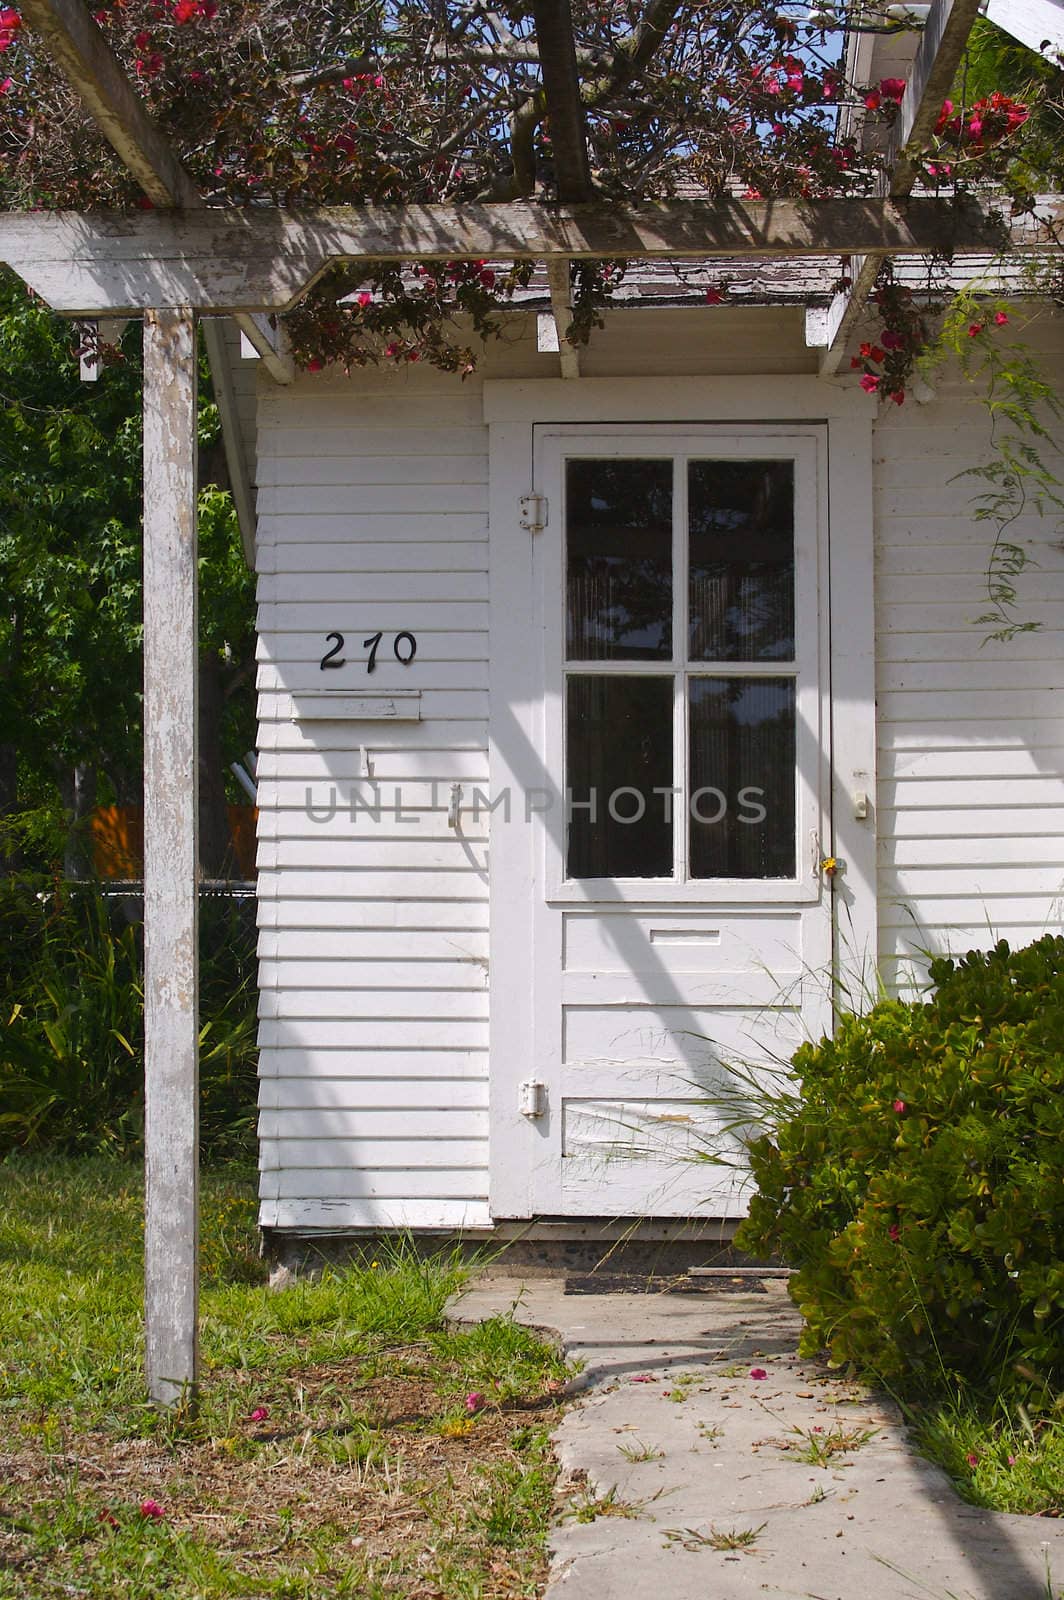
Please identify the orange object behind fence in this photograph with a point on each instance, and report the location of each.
(117, 834)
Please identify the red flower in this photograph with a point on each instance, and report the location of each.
(142, 40)
(975, 329)
(315, 364)
(260, 1414)
(893, 89)
(474, 1402)
(898, 396)
(487, 279)
(758, 1373)
(944, 115)
(972, 1460)
(1000, 317)
(891, 340)
(714, 297)
(186, 11)
(870, 383)
(152, 1511)
(873, 101)
(149, 66)
(899, 1106)
(108, 1516)
(5, 87)
(894, 1231)
(365, 299)
(10, 20)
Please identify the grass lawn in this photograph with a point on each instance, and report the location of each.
(347, 1442)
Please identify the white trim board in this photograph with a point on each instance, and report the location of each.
(655, 400)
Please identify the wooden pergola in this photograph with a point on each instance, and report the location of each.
(182, 261)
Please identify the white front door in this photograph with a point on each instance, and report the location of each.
(670, 931)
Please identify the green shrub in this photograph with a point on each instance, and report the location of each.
(72, 1022)
(917, 1181)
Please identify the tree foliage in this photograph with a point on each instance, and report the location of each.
(70, 560)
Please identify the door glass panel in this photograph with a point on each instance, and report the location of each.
(619, 561)
(741, 585)
(741, 804)
(619, 752)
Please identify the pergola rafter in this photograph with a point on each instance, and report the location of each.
(942, 44)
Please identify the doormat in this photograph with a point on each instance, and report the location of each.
(653, 1283)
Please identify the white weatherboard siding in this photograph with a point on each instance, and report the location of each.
(971, 733)
(373, 942)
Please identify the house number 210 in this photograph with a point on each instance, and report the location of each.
(404, 648)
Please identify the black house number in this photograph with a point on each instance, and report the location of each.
(404, 648)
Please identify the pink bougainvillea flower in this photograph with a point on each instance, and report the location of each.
(972, 1460)
(107, 1516)
(260, 1414)
(1000, 317)
(474, 1402)
(1011, 1460)
(898, 396)
(891, 340)
(152, 1511)
(873, 101)
(714, 297)
(149, 66)
(758, 1373)
(870, 383)
(5, 87)
(315, 364)
(944, 115)
(899, 1106)
(486, 278)
(186, 11)
(142, 40)
(893, 89)
(975, 128)
(894, 1231)
(975, 329)
(643, 1377)
(365, 299)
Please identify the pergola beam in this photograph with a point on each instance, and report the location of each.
(263, 260)
(942, 44)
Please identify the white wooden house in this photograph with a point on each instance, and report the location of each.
(613, 707)
(735, 600)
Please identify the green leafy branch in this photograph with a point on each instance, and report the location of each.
(1021, 403)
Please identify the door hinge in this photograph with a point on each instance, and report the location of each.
(533, 512)
(532, 1099)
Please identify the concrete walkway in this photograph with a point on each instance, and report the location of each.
(675, 1449)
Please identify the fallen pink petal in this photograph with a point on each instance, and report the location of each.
(152, 1511)
(474, 1402)
(260, 1414)
(758, 1372)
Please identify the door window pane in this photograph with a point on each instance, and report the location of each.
(619, 751)
(619, 560)
(741, 804)
(741, 586)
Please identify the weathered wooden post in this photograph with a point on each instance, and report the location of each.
(171, 1020)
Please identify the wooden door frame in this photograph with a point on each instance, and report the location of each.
(512, 408)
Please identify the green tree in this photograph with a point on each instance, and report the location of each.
(70, 590)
